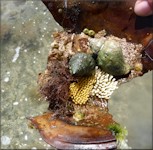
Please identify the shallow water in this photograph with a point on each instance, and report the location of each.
(26, 30)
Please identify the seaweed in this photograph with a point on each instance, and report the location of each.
(56, 86)
(119, 131)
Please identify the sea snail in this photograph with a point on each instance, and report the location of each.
(82, 64)
(110, 59)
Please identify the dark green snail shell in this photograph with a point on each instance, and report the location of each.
(81, 64)
(110, 59)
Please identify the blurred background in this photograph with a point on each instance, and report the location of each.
(26, 36)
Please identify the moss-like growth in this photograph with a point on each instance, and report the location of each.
(119, 131)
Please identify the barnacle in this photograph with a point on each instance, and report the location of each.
(91, 33)
(138, 67)
(80, 91)
(78, 116)
(85, 31)
(104, 86)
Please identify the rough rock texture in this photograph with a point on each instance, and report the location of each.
(117, 17)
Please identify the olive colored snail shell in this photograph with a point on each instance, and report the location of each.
(110, 59)
(82, 64)
(96, 44)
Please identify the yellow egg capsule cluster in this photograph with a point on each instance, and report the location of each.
(80, 90)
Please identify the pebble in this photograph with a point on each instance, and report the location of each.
(3, 91)
(8, 73)
(33, 148)
(15, 103)
(15, 57)
(22, 117)
(5, 140)
(26, 137)
(6, 79)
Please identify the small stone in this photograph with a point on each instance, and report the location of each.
(60, 10)
(5, 140)
(6, 79)
(138, 67)
(33, 148)
(15, 103)
(26, 137)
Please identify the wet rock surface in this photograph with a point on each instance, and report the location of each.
(25, 40)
